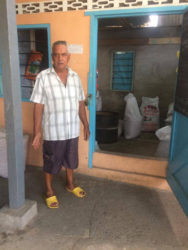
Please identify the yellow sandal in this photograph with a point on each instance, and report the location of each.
(77, 192)
(51, 200)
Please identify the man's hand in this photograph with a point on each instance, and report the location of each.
(38, 112)
(86, 133)
(36, 141)
(83, 118)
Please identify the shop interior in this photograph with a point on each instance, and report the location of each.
(136, 78)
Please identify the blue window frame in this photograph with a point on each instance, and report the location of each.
(26, 42)
(122, 70)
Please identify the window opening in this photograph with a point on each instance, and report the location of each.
(33, 55)
(122, 70)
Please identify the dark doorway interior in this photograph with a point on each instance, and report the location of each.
(155, 47)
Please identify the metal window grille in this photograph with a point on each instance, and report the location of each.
(31, 40)
(122, 70)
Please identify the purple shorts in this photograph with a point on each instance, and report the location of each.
(60, 153)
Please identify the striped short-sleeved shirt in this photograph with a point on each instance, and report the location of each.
(61, 104)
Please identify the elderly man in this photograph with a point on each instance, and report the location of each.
(59, 107)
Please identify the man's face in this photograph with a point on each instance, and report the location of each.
(60, 57)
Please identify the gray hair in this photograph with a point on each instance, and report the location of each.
(59, 43)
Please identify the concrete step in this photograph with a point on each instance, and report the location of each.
(131, 164)
(134, 170)
(136, 179)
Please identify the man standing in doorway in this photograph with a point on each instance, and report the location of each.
(59, 103)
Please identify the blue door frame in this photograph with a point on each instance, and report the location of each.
(95, 16)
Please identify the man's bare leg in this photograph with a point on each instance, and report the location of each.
(49, 190)
(70, 180)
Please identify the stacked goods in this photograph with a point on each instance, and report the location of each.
(150, 112)
(132, 118)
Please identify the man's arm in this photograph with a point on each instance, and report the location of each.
(37, 115)
(83, 118)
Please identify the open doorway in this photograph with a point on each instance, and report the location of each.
(150, 43)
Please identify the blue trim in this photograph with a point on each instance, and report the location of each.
(174, 124)
(49, 46)
(137, 12)
(95, 15)
(179, 142)
(172, 141)
(178, 191)
(25, 100)
(35, 26)
(92, 86)
(39, 26)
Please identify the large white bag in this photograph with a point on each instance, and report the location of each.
(168, 120)
(132, 117)
(164, 135)
(150, 112)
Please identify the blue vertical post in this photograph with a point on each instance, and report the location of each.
(92, 86)
(12, 103)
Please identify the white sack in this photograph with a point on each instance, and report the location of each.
(168, 120)
(164, 133)
(132, 117)
(150, 111)
(120, 127)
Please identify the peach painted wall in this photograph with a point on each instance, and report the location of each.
(74, 27)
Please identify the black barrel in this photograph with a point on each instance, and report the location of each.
(106, 126)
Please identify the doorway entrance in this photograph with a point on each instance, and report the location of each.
(96, 16)
(137, 55)
(177, 162)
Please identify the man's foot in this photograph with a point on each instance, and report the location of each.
(51, 201)
(77, 191)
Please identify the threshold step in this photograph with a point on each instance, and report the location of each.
(127, 177)
(122, 163)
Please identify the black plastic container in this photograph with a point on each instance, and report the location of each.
(106, 126)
